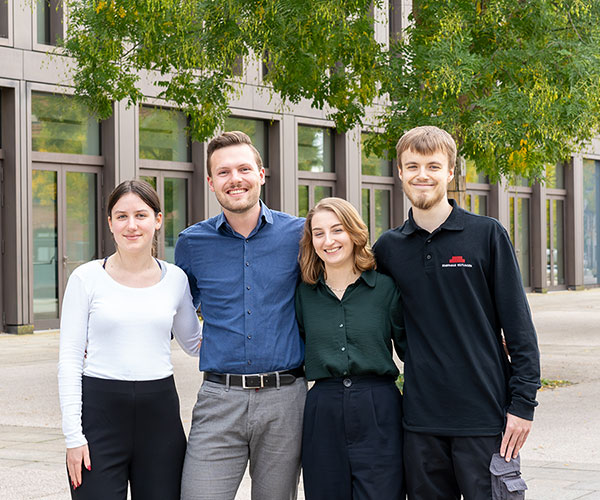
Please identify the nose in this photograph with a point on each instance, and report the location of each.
(131, 223)
(328, 237)
(422, 172)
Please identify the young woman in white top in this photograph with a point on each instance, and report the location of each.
(119, 404)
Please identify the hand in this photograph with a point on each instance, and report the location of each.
(75, 456)
(516, 432)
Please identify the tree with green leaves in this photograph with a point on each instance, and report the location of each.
(516, 82)
(321, 50)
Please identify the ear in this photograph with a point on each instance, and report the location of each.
(158, 224)
(261, 173)
(110, 224)
(210, 183)
(400, 171)
(450, 174)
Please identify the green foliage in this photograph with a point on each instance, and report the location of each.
(516, 82)
(322, 50)
(553, 384)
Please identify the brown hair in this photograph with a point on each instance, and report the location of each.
(146, 193)
(227, 139)
(427, 140)
(311, 266)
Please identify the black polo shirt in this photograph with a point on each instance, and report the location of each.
(460, 288)
(351, 336)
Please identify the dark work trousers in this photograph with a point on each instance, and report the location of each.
(135, 435)
(444, 467)
(352, 440)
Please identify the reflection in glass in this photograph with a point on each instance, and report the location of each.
(82, 218)
(315, 149)
(45, 244)
(150, 179)
(382, 211)
(43, 22)
(519, 234)
(175, 213)
(555, 176)
(559, 241)
(372, 164)
(60, 124)
(302, 200)
(322, 192)
(473, 176)
(523, 238)
(366, 207)
(163, 135)
(591, 221)
(255, 129)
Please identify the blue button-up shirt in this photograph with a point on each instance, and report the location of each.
(245, 289)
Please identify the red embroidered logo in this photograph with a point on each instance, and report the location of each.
(457, 259)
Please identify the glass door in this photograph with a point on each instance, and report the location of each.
(65, 215)
(173, 191)
(519, 233)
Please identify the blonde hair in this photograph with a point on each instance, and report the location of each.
(427, 140)
(311, 266)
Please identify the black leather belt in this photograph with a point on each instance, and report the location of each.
(256, 381)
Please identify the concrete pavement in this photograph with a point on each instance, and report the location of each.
(561, 457)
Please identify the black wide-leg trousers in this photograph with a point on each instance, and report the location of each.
(352, 440)
(135, 436)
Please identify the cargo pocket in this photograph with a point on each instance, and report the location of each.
(507, 483)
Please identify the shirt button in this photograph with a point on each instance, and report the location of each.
(249, 337)
(343, 349)
(347, 382)
(249, 311)
(246, 241)
(247, 264)
(429, 241)
(341, 325)
(249, 362)
(428, 257)
(248, 287)
(344, 372)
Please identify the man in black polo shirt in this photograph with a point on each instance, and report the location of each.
(464, 398)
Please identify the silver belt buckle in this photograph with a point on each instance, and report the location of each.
(262, 382)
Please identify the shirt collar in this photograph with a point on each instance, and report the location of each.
(369, 277)
(265, 217)
(454, 222)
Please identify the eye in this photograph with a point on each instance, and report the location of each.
(338, 230)
(318, 234)
(142, 216)
(121, 217)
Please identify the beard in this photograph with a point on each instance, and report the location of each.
(239, 206)
(425, 201)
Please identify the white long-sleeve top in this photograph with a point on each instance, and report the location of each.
(125, 331)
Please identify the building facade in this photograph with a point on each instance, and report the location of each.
(58, 164)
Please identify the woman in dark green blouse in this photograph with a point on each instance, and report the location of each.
(349, 316)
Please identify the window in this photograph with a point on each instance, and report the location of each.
(395, 20)
(49, 21)
(60, 124)
(478, 190)
(173, 191)
(316, 169)
(591, 222)
(258, 131)
(4, 17)
(556, 201)
(377, 184)
(165, 163)
(163, 135)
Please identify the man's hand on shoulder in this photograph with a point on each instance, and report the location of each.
(516, 432)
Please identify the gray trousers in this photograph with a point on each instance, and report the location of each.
(233, 425)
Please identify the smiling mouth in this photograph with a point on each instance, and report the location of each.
(332, 250)
(236, 191)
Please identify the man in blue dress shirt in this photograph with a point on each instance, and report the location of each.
(243, 269)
